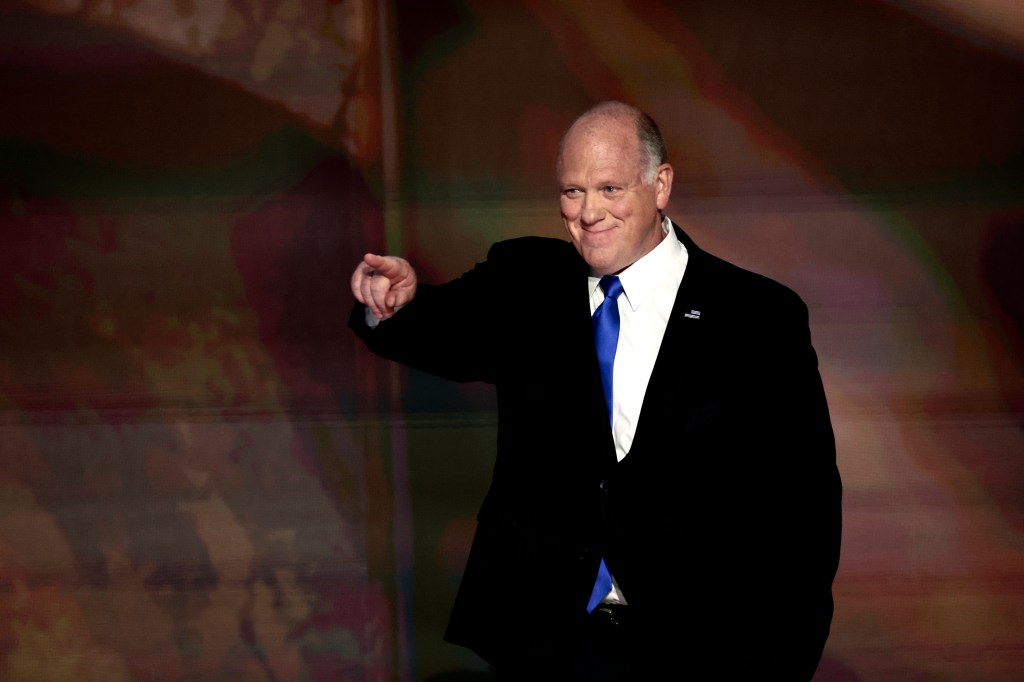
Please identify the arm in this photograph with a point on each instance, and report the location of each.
(800, 542)
(474, 327)
(445, 330)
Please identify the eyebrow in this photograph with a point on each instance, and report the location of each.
(603, 182)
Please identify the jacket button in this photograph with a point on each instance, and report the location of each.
(604, 484)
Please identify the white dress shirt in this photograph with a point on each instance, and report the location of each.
(649, 288)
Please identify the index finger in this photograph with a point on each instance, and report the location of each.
(384, 265)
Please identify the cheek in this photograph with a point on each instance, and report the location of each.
(622, 209)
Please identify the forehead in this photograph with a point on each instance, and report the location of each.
(604, 145)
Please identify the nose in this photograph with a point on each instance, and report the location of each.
(593, 212)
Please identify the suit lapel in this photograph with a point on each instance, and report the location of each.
(686, 325)
(579, 349)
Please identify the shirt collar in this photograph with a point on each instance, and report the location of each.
(640, 278)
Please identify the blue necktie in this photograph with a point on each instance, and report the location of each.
(606, 338)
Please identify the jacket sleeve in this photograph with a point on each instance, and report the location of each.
(445, 331)
(460, 330)
(798, 537)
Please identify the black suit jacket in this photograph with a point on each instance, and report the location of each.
(722, 524)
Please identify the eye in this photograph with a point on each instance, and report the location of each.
(609, 189)
(572, 192)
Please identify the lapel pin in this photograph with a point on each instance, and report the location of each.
(693, 314)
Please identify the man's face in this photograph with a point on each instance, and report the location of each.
(611, 214)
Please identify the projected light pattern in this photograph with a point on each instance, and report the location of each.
(203, 476)
(181, 498)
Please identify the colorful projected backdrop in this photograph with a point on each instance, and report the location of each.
(202, 476)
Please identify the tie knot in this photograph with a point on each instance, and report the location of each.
(611, 286)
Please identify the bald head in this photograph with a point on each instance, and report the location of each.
(614, 186)
(650, 144)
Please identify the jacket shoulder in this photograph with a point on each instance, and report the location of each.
(536, 249)
(744, 289)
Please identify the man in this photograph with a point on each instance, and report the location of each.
(665, 502)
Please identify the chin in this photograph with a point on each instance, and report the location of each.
(600, 269)
(598, 266)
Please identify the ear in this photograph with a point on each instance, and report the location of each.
(663, 185)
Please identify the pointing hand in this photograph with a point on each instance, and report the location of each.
(383, 283)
